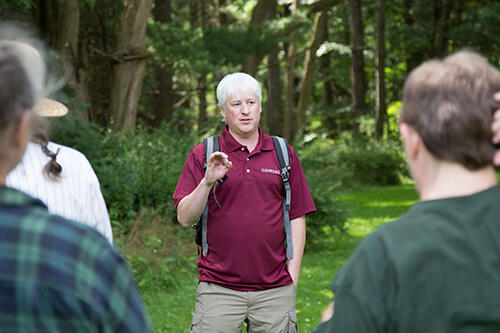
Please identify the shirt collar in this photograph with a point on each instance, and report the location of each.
(13, 197)
(230, 144)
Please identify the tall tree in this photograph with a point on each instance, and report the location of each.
(163, 97)
(444, 26)
(274, 116)
(221, 17)
(259, 15)
(358, 80)
(128, 72)
(380, 107)
(291, 60)
(317, 38)
(60, 20)
(198, 18)
(330, 94)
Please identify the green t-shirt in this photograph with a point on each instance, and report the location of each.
(435, 269)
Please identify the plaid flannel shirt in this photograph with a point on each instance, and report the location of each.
(58, 275)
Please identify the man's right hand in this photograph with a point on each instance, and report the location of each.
(218, 164)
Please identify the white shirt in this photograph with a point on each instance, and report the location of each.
(76, 195)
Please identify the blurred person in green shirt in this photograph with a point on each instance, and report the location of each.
(437, 268)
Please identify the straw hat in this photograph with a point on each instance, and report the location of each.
(47, 107)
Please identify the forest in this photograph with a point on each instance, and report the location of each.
(326, 66)
(139, 79)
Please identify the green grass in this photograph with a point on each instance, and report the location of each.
(170, 309)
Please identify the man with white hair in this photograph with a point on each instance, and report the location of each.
(56, 275)
(244, 272)
(437, 268)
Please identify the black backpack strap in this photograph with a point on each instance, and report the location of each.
(281, 148)
(211, 145)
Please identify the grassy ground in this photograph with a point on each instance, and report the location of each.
(170, 307)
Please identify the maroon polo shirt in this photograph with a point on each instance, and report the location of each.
(245, 235)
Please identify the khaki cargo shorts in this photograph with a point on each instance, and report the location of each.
(224, 310)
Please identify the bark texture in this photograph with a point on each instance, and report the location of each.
(128, 71)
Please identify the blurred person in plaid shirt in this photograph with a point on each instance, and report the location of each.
(56, 275)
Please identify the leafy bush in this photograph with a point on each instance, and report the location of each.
(157, 250)
(134, 170)
(323, 178)
(371, 162)
(332, 166)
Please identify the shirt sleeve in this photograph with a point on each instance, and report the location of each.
(365, 291)
(301, 200)
(192, 173)
(97, 208)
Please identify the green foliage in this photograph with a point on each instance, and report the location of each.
(157, 250)
(349, 161)
(224, 43)
(134, 170)
(23, 4)
(152, 276)
(392, 130)
(479, 28)
(187, 55)
(331, 166)
(370, 162)
(324, 180)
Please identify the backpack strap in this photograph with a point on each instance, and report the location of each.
(281, 148)
(211, 145)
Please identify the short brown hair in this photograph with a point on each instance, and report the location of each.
(450, 104)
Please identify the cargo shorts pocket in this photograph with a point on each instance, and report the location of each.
(292, 322)
(196, 323)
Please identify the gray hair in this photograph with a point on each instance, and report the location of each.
(30, 53)
(22, 73)
(17, 93)
(235, 83)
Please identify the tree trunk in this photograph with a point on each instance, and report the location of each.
(272, 112)
(274, 116)
(291, 60)
(193, 11)
(380, 107)
(198, 18)
(164, 97)
(358, 81)
(220, 16)
(259, 14)
(329, 91)
(456, 21)
(317, 38)
(322, 5)
(202, 100)
(128, 73)
(444, 26)
(60, 20)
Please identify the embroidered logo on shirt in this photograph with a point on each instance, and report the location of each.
(276, 172)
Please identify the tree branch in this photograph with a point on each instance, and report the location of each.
(322, 5)
(135, 54)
